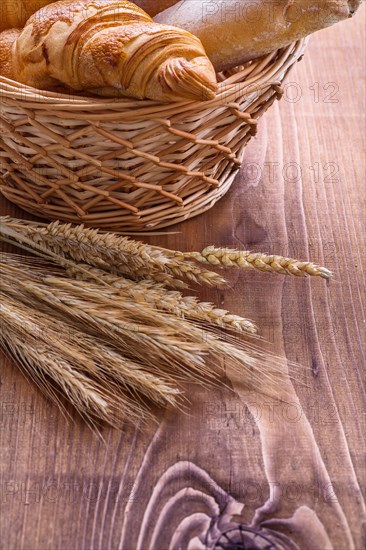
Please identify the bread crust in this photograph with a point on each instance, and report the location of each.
(7, 40)
(111, 47)
(234, 32)
(15, 13)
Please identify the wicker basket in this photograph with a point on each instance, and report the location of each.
(132, 165)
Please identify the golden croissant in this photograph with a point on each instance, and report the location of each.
(15, 13)
(109, 48)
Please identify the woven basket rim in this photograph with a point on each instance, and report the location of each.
(13, 90)
(131, 180)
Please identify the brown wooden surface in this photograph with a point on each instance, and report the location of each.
(298, 469)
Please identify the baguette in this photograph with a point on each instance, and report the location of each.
(109, 48)
(234, 32)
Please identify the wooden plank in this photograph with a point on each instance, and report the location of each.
(295, 469)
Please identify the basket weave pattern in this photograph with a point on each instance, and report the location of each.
(132, 165)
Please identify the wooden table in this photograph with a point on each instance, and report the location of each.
(295, 471)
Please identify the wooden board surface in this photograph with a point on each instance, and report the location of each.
(296, 471)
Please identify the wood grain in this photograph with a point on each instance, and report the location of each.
(294, 472)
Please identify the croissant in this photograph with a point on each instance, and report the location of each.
(7, 39)
(109, 48)
(15, 13)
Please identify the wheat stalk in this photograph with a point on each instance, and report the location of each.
(132, 339)
(166, 300)
(137, 260)
(120, 369)
(48, 350)
(114, 252)
(169, 347)
(226, 258)
(160, 341)
(127, 328)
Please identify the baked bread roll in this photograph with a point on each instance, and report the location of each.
(233, 32)
(15, 13)
(109, 48)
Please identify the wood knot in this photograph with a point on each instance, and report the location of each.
(244, 537)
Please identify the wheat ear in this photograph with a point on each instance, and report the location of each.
(114, 253)
(166, 300)
(160, 342)
(226, 258)
(137, 260)
(101, 360)
(194, 353)
(35, 340)
(167, 346)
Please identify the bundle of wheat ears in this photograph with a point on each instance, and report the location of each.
(102, 319)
